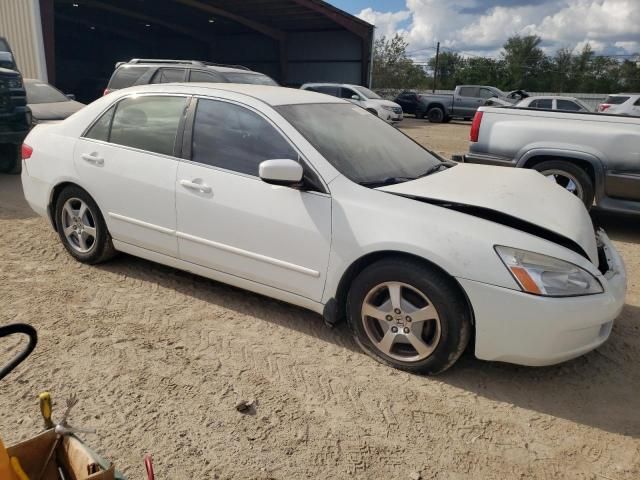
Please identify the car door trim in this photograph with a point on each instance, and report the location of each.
(140, 223)
(248, 254)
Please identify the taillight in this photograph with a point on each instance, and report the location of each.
(106, 91)
(26, 151)
(475, 127)
(603, 106)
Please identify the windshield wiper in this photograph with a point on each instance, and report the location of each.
(435, 168)
(385, 181)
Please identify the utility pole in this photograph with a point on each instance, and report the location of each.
(435, 71)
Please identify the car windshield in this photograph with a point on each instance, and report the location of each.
(253, 78)
(367, 93)
(359, 145)
(38, 92)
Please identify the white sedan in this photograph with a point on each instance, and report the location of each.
(313, 201)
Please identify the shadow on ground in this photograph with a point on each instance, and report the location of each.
(596, 389)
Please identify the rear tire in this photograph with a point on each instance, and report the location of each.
(81, 227)
(571, 177)
(423, 328)
(435, 115)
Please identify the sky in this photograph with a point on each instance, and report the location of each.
(480, 27)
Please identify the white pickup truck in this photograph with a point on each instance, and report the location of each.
(595, 156)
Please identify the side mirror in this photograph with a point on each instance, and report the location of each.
(281, 172)
(355, 97)
(70, 96)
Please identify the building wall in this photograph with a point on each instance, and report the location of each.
(20, 25)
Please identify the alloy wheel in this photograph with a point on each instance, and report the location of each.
(566, 181)
(401, 322)
(78, 225)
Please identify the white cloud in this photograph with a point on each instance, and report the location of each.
(386, 23)
(482, 26)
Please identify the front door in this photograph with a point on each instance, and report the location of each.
(126, 161)
(231, 221)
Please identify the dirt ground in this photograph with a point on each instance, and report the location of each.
(159, 358)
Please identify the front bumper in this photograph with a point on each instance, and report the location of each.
(392, 117)
(515, 327)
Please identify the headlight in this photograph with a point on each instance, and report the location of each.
(548, 276)
(388, 108)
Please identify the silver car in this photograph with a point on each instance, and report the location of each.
(552, 102)
(621, 104)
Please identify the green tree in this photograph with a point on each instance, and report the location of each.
(450, 65)
(524, 61)
(393, 69)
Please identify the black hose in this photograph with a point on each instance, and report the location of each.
(13, 329)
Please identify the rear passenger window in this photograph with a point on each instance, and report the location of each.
(567, 105)
(126, 76)
(545, 103)
(232, 137)
(328, 90)
(148, 123)
(169, 75)
(468, 92)
(100, 129)
(200, 76)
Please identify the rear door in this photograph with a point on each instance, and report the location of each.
(231, 221)
(127, 161)
(467, 102)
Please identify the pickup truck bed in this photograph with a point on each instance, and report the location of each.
(595, 156)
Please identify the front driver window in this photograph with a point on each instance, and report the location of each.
(235, 138)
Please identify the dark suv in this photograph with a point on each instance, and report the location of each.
(15, 117)
(140, 71)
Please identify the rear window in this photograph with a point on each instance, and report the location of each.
(126, 76)
(616, 99)
(38, 92)
(253, 78)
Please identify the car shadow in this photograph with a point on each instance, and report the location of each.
(13, 206)
(623, 228)
(596, 389)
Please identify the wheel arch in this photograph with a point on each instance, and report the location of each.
(335, 308)
(591, 164)
(55, 193)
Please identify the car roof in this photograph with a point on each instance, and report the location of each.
(550, 97)
(268, 94)
(189, 65)
(331, 84)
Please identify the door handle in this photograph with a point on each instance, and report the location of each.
(96, 160)
(200, 187)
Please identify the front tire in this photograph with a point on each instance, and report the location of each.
(408, 316)
(81, 227)
(570, 177)
(435, 115)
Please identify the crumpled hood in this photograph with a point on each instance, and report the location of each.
(524, 195)
(388, 103)
(54, 111)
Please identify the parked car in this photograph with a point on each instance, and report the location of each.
(621, 104)
(595, 157)
(313, 201)
(388, 111)
(463, 103)
(568, 104)
(47, 103)
(15, 118)
(144, 71)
